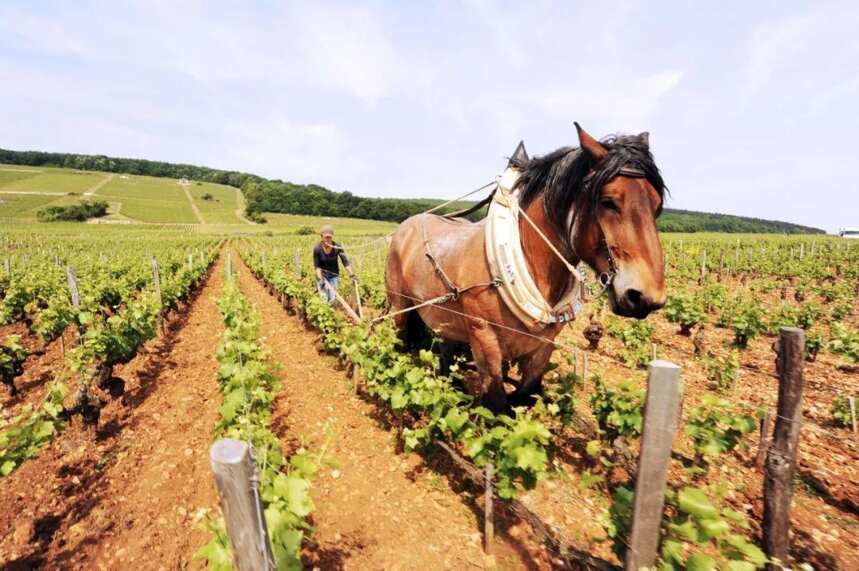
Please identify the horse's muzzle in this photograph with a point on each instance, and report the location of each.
(634, 303)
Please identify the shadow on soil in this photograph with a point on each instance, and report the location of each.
(82, 482)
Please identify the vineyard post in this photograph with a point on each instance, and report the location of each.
(72, 277)
(296, 263)
(236, 478)
(764, 442)
(585, 368)
(8, 265)
(156, 278)
(653, 351)
(229, 264)
(781, 457)
(802, 250)
(703, 264)
(852, 401)
(190, 262)
(661, 411)
(488, 522)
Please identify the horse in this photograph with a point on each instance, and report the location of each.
(596, 203)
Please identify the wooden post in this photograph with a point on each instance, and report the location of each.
(8, 265)
(852, 401)
(229, 264)
(296, 264)
(488, 522)
(763, 443)
(781, 457)
(584, 368)
(190, 261)
(156, 278)
(235, 474)
(704, 264)
(358, 300)
(653, 351)
(72, 277)
(662, 407)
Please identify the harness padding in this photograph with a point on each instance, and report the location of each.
(509, 266)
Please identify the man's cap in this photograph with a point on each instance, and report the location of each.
(327, 229)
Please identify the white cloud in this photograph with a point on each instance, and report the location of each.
(346, 47)
(774, 45)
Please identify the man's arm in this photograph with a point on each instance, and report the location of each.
(346, 263)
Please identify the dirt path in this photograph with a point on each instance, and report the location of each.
(379, 509)
(196, 210)
(240, 211)
(97, 186)
(124, 498)
(34, 192)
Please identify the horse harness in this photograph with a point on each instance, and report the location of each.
(505, 184)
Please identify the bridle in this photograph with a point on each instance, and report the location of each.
(605, 279)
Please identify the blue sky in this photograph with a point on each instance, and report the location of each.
(751, 106)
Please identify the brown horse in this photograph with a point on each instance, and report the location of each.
(597, 203)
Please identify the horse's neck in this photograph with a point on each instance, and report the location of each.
(549, 272)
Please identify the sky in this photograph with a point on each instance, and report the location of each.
(751, 106)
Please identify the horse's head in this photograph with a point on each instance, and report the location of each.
(616, 233)
(603, 199)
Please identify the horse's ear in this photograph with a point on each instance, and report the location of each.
(591, 145)
(645, 138)
(519, 157)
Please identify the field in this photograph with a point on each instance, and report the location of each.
(103, 448)
(133, 199)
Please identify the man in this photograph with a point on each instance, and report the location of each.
(325, 256)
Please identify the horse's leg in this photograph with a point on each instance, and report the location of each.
(532, 367)
(488, 358)
(393, 286)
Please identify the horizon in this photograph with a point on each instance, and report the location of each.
(467, 200)
(425, 102)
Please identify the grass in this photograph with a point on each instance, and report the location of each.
(221, 209)
(157, 201)
(48, 180)
(23, 206)
(149, 199)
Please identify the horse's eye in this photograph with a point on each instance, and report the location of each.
(609, 204)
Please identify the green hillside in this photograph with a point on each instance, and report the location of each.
(148, 192)
(131, 198)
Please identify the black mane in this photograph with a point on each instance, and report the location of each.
(562, 178)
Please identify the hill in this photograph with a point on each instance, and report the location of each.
(151, 200)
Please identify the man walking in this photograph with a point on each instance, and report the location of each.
(325, 260)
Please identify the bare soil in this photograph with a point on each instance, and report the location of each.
(125, 495)
(379, 508)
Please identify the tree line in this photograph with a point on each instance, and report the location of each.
(265, 195)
